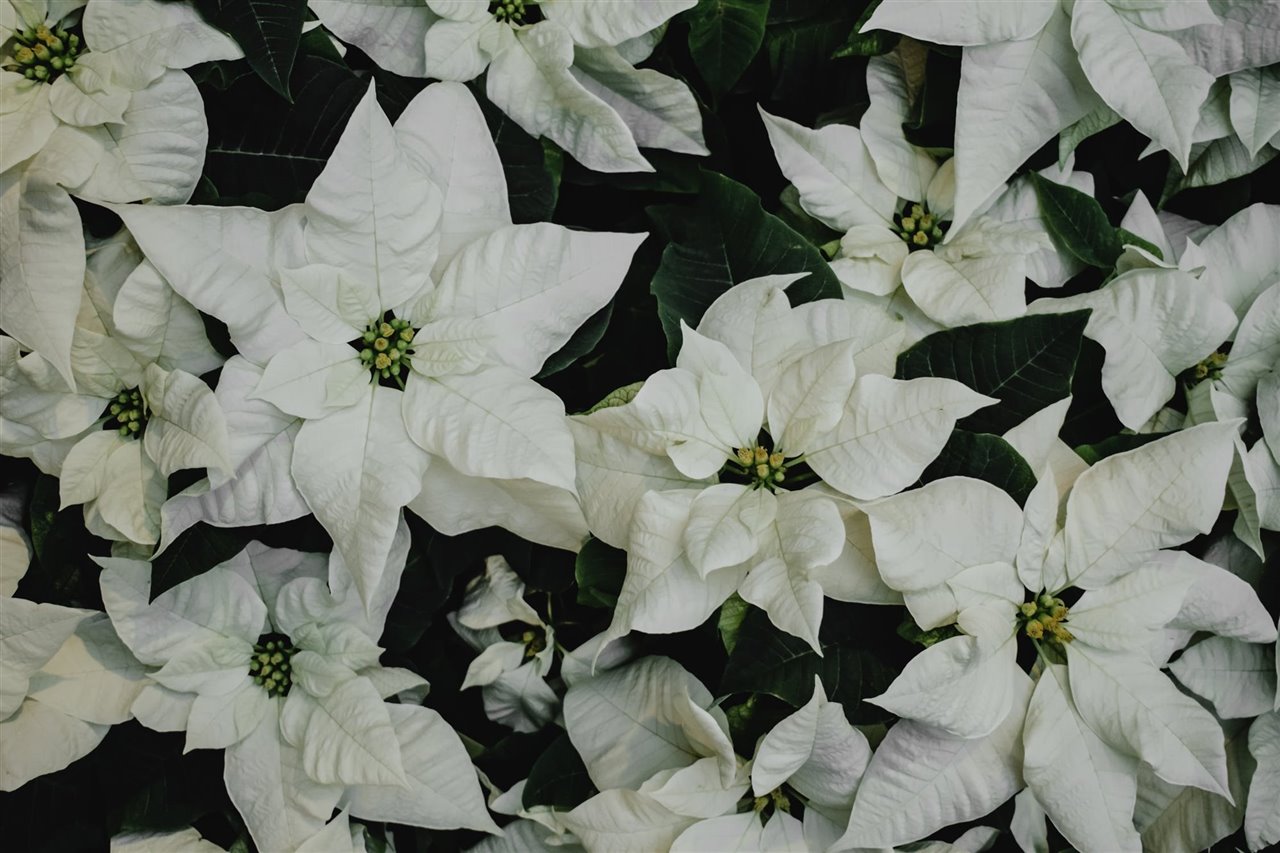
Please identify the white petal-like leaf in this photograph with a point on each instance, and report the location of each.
(1239, 679)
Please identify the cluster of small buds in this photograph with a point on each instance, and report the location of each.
(508, 11)
(42, 54)
(764, 468)
(774, 801)
(269, 665)
(385, 348)
(919, 228)
(1045, 618)
(535, 642)
(127, 414)
(1210, 368)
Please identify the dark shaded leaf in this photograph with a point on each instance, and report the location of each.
(600, 570)
(532, 166)
(195, 552)
(1096, 452)
(558, 778)
(1026, 363)
(268, 31)
(874, 43)
(582, 342)
(724, 36)
(1077, 223)
(983, 456)
(726, 239)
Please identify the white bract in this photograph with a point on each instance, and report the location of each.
(261, 657)
(563, 69)
(138, 412)
(964, 554)
(90, 97)
(694, 476)
(397, 316)
(894, 205)
(511, 673)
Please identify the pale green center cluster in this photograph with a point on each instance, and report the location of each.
(774, 801)
(42, 54)
(269, 665)
(127, 414)
(535, 642)
(386, 348)
(764, 468)
(508, 11)
(919, 228)
(1210, 368)
(1045, 619)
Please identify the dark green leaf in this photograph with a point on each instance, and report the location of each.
(582, 341)
(195, 552)
(267, 30)
(44, 512)
(558, 778)
(1078, 223)
(600, 571)
(1026, 364)
(532, 166)
(724, 36)
(874, 43)
(278, 152)
(729, 622)
(983, 456)
(799, 39)
(766, 660)
(724, 240)
(1128, 237)
(1096, 452)
(931, 121)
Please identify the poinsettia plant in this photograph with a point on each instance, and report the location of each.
(639, 425)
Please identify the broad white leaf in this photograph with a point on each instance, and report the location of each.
(155, 36)
(1144, 76)
(30, 634)
(530, 81)
(833, 171)
(661, 111)
(311, 379)
(38, 739)
(1238, 679)
(1028, 826)
(751, 319)
(186, 427)
(1087, 788)
(158, 325)
(592, 25)
(966, 290)
(890, 431)
(1256, 350)
(853, 575)
(346, 737)
(652, 715)
(623, 821)
(697, 790)
(921, 779)
(810, 395)
(791, 598)
(1132, 504)
(905, 169)
(443, 791)
(1134, 707)
(371, 212)
(962, 22)
(494, 423)
(1014, 96)
(391, 33)
(1255, 106)
(532, 286)
(1262, 818)
(1248, 37)
(92, 677)
(725, 524)
(1241, 258)
(1220, 601)
(357, 492)
(1187, 820)
(1124, 614)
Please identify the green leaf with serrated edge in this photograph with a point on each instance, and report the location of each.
(983, 456)
(1129, 238)
(1077, 222)
(558, 778)
(1026, 363)
(195, 552)
(874, 43)
(267, 30)
(599, 571)
(277, 154)
(729, 622)
(1099, 450)
(766, 660)
(727, 238)
(724, 36)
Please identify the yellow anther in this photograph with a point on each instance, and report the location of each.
(917, 210)
(761, 455)
(1062, 635)
(762, 471)
(908, 224)
(1035, 630)
(1029, 609)
(776, 459)
(745, 456)
(920, 238)
(926, 222)
(406, 334)
(24, 55)
(382, 361)
(1059, 612)
(386, 330)
(381, 344)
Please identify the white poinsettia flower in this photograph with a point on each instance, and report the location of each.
(563, 69)
(964, 554)
(894, 203)
(262, 657)
(1030, 70)
(138, 412)
(395, 318)
(697, 475)
(89, 96)
(512, 673)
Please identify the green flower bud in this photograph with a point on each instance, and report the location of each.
(41, 51)
(24, 56)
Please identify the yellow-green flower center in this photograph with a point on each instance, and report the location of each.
(762, 467)
(43, 55)
(127, 414)
(1045, 618)
(919, 228)
(514, 12)
(535, 641)
(271, 664)
(1210, 368)
(386, 348)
